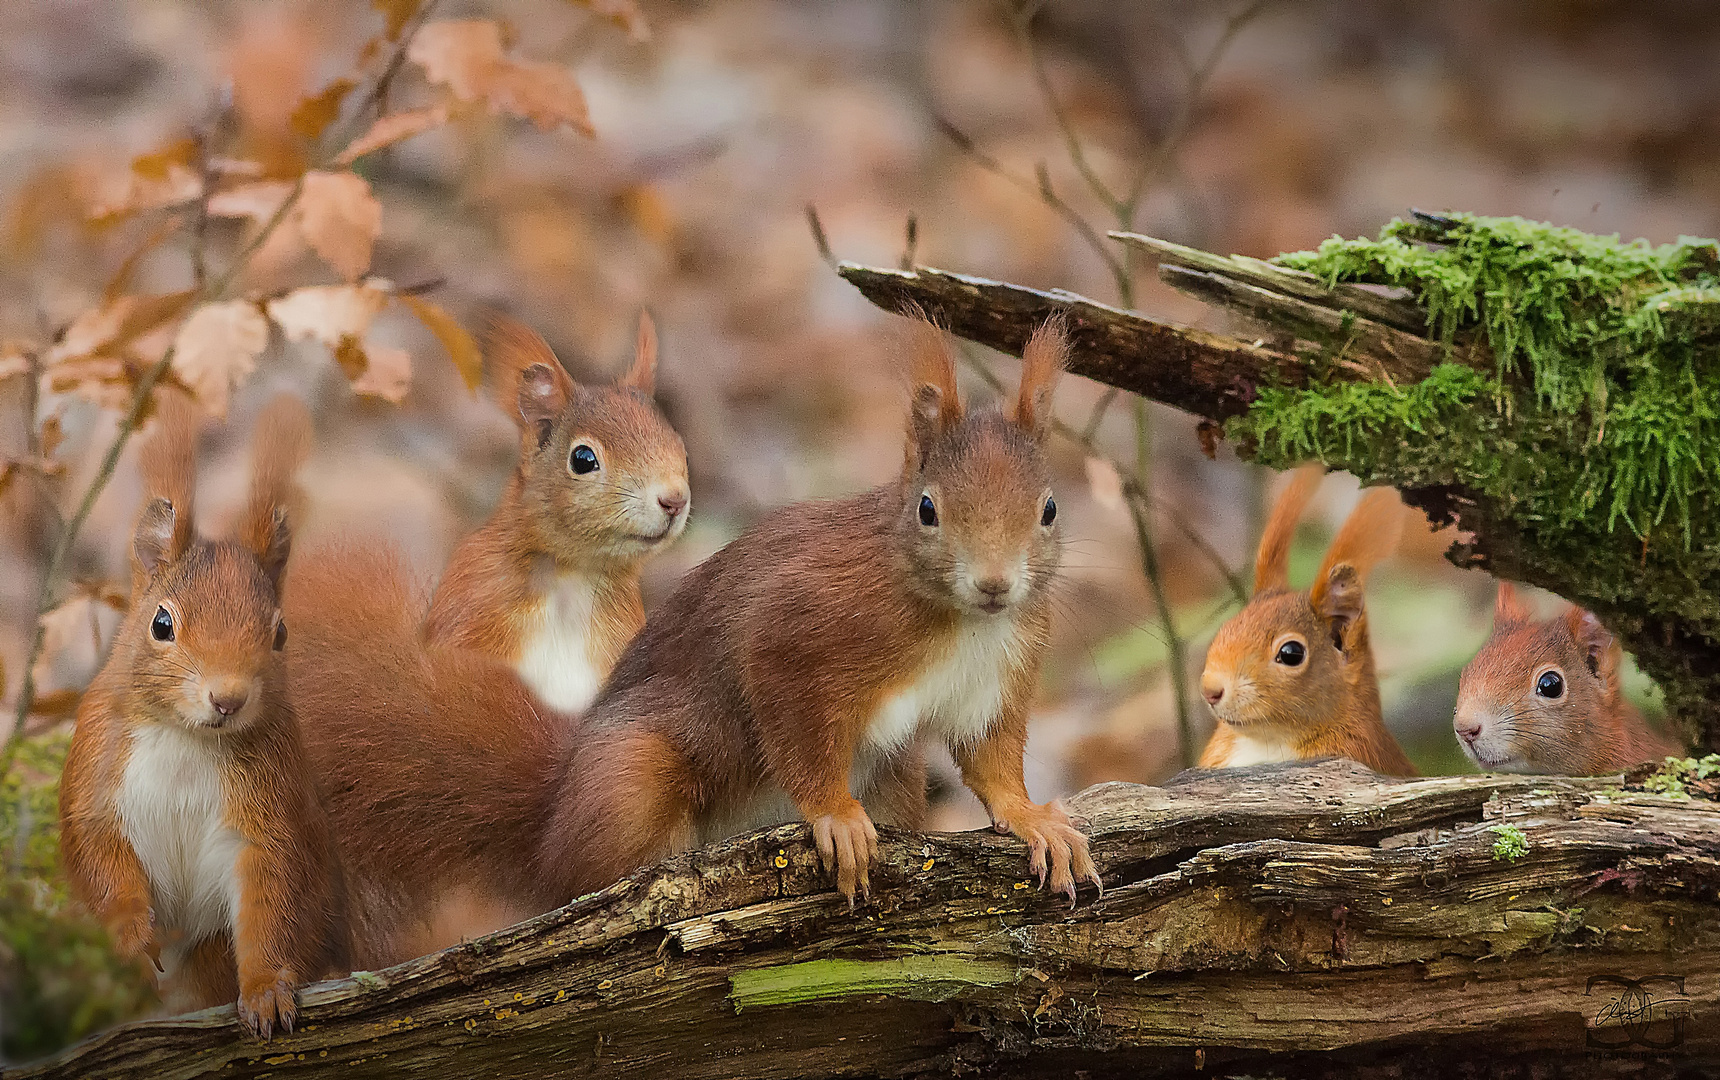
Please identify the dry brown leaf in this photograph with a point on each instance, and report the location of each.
(312, 116)
(152, 181)
(57, 704)
(340, 220)
(623, 13)
(387, 373)
(398, 13)
(327, 313)
(217, 349)
(462, 348)
(15, 360)
(118, 326)
(467, 56)
(51, 436)
(259, 201)
(392, 129)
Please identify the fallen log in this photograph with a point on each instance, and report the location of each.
(1297, 920)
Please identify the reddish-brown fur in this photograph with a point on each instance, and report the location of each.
(224, 652)
(435, 759)
(748, 696)
(555, 528)
(1328, 703)
(1588, 728)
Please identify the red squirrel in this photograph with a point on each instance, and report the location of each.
(550, 584)
(792, 672)
(190, 821)
(1544, 696)
(436, 759)
(1291, 676)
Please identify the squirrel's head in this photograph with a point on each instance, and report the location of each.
(1290, 661)
(603, 477)
(204, 634)
(977, 521)
(1542, 696)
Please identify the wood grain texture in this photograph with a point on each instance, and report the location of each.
(1298, 920)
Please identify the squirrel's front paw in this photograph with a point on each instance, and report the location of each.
(270, 1004)
(1054, 846)
(847, 844)
(133, 935)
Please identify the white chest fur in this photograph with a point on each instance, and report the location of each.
(957, 695)
(557, 646)
(1250, 751)
(170, 809)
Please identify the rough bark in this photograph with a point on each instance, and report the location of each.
(1303, 920)
(1306, 330)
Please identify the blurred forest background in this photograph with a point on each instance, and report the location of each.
(1003, 132)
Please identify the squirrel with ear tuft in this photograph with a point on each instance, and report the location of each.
(793, 672)
(189, 820)
(1545, 696)
(1291, 676)
(550, 584)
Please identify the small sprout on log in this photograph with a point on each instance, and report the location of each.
(1510, 844)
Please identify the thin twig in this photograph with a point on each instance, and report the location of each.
(818, 238)
(1175, 648)
(1042, 189)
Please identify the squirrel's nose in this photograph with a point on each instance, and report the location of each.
(1468, 730)
(228, 702)
(994, 586)
(1212, 691)
(672, 503)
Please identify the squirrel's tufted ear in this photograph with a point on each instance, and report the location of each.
(153, 544)
(642, 376)
(1508, 606)
(529, 381)
(936, 407)
(1337, 598)
(1601, 652)
(1272, 561)
(1042, 361)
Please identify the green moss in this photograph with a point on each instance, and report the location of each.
(59, 981)
(1602, 389)
(1676, 776)
(920, 978)
(1509, 844)
(1591, 435)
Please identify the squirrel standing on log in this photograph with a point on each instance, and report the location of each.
(1291, 676)
(189, 820)
(791, 673)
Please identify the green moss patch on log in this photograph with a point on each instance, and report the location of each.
(1597, 433)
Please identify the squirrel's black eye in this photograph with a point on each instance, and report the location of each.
(583, 460)
(1050, 514)
(161, 627)
(928, 512)
(1551, 685)
(280, 636)
(1291, 654)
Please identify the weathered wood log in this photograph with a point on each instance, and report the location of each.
(1658, 602)
(1302, 920)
